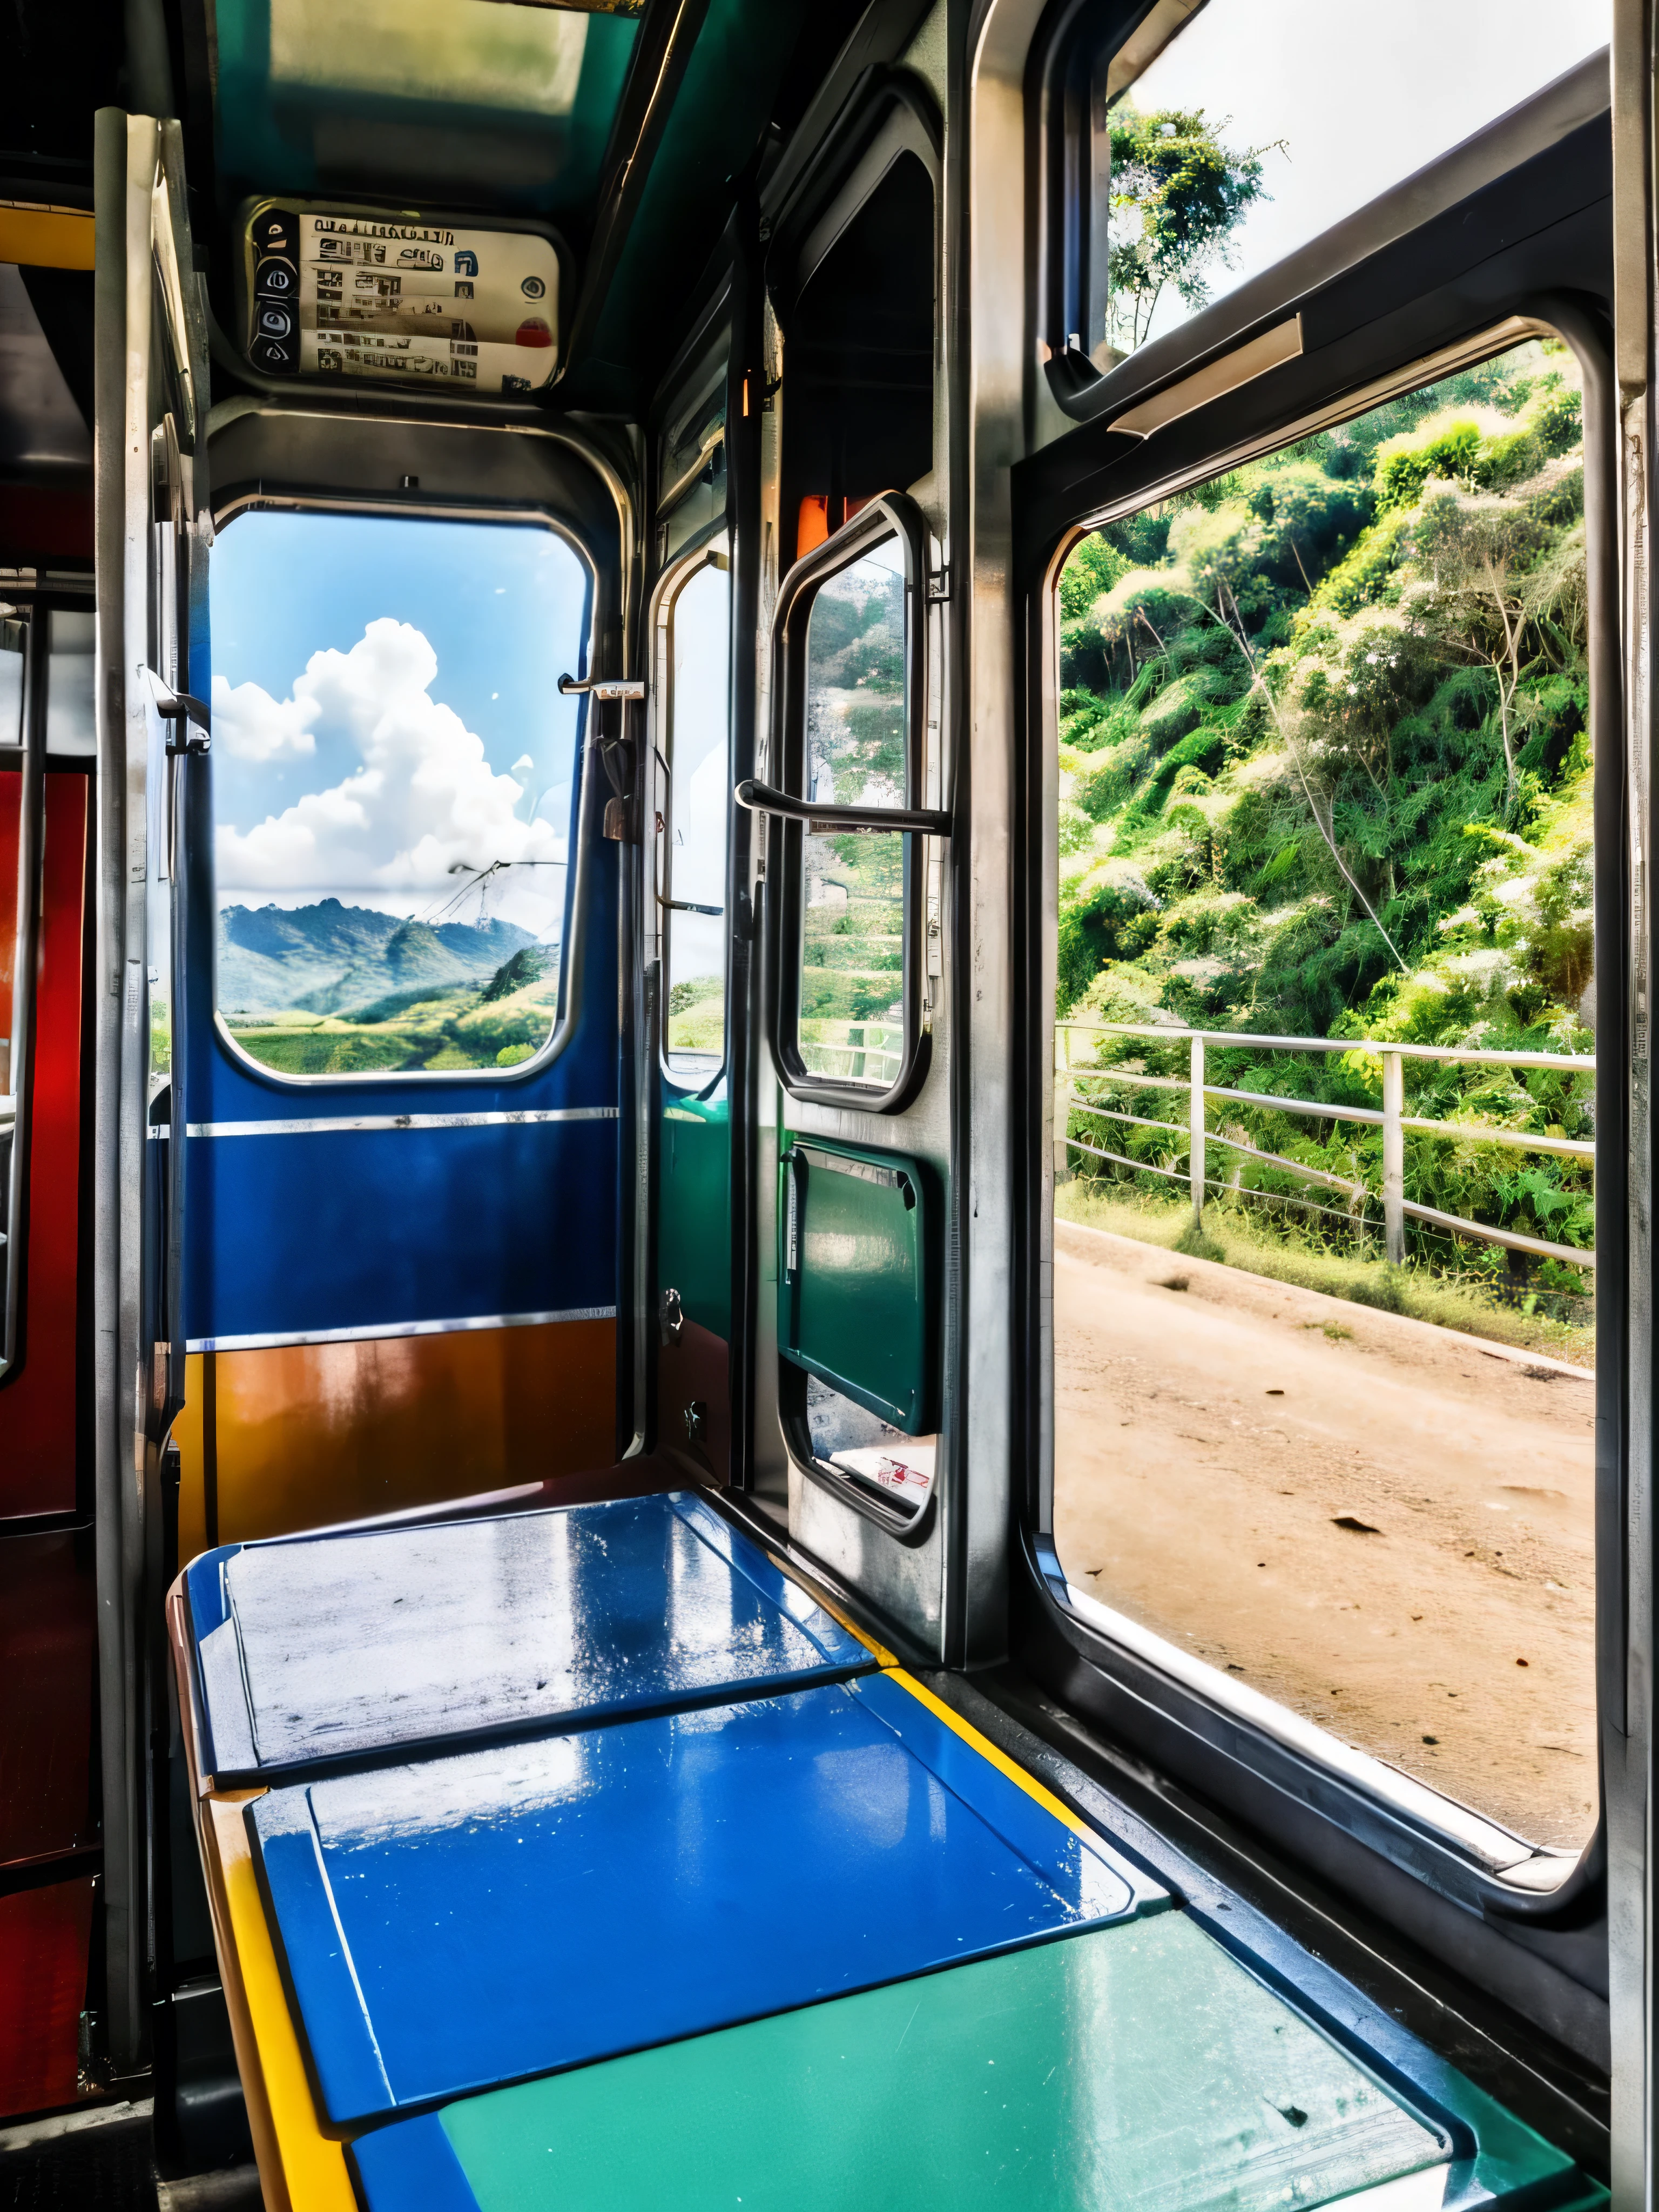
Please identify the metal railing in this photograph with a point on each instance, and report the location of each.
(866, 1058)
(1391, 1118)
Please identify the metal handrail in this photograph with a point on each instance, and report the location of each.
(1247, 1039)
(1391, 1118)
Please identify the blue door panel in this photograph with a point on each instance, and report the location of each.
(294, 1234)
(291, 1234)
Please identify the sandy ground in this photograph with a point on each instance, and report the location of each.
(1218, 1438)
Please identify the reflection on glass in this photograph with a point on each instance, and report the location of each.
(11, 792)
(1228, 150)
(852, 978)
(1275, 1450)
(11, 682)
(393, 772)
(70, 726)
(875, 1456)
(700, 807)
(11, 785)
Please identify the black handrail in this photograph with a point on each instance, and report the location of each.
(763, 799)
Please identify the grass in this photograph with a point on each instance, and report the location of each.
(455, 1028)
(1234, 1241)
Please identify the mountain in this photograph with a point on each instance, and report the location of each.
(528, 965)
(329, 956)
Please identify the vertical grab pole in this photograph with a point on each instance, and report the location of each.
(1393, 1158)
(1195, 1142)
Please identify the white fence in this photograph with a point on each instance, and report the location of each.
(865, 1055)
(1070, 1098)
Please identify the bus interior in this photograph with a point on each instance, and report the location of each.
(823, 973)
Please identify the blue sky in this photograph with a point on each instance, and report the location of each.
(377, 682)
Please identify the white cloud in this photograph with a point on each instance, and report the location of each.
(423, 801)
(250, 725)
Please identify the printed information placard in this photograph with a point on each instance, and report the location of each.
(350, 295)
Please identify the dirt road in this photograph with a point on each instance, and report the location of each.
(1386, 1527)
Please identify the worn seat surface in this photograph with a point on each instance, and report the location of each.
(1140, 2066)
(371, 1643)
(475, 1919)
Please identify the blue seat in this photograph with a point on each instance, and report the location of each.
(380, 1643)
(471, 1920)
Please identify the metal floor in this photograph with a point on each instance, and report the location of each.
(105, 2162)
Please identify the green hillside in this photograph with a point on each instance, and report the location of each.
(1325, 771)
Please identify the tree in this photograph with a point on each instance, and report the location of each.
(1477, 599)
(1177, 195)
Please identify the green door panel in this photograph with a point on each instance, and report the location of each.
(855, 1297)
(1137, 2067)
(694, 1213)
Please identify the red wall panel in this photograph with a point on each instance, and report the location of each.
(37, 1405)
(44, 1937)
(48, 1685)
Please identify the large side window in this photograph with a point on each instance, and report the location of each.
(394, 777)
(696, 644)
(1325, 1113)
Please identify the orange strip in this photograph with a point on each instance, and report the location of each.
(45, 238)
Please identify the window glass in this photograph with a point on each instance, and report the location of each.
(71, 726)
(1327, 1433)
(12, 634)
(880, 1461)
(11, 681)
(700, 810)
(11, 785)
(394, 774)
(1236, 144)
(851, 980)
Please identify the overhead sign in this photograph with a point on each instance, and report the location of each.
(339, 292)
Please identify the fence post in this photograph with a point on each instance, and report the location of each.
(1062, 1103)
(1393, 1158)
(1195, 1142)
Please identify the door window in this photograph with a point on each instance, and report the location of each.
(852, 941)
(849, 691)
(698, 817)
(394, 777)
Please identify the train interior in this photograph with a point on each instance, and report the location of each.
(825, 999)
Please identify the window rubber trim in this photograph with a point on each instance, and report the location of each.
(587, 804)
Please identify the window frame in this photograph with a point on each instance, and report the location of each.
(891, 514)
(1294, 1797)
(27, 761)
(1078, 43)
(713, 547)
(586, 798)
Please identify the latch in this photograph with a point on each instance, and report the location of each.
(179, 706)
(601, 687)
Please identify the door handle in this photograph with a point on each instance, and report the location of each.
(180, 707)
(602, 687)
